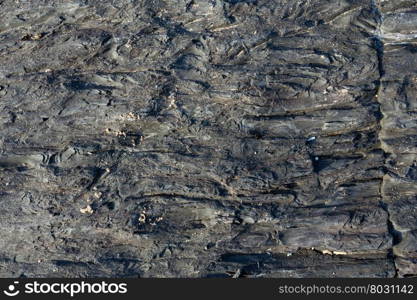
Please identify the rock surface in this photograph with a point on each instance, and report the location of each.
(208, 138)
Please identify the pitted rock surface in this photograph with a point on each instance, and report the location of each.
(208, 138)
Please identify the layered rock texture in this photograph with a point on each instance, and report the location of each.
(208, 138)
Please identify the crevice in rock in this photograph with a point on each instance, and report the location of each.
(379, 49)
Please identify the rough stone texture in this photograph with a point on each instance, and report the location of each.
(208, 138)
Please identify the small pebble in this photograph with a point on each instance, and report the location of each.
(87, 210)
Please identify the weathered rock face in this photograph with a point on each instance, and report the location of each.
(201, 138)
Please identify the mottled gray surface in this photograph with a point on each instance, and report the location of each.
(206, 138)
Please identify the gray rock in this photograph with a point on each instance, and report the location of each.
(208, 138)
